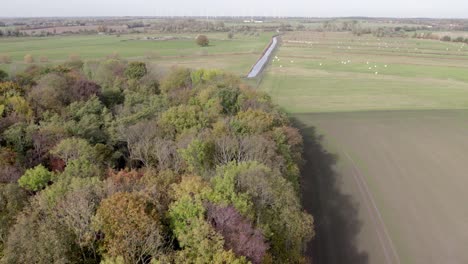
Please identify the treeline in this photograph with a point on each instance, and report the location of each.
(113, 162)
(189, 25)
(430, 35)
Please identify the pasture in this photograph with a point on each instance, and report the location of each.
(392, 117)
(236, 55)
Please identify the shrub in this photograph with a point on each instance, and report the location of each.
(446, 38)
(28, 58)
(459, 39)
(74, 57)
(6, 59)
(202, 40)
(3, 76)
(43, 59)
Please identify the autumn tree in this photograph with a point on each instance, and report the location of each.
(37, 237)
(12, 201)
(51, 92)
(130, 226)
(238, 232)
(84, 89)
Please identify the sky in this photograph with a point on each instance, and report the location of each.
(306, 8)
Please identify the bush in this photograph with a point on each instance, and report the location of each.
(35, 179)
(43, 59)
(202, 40)
(6, 59)
(3, 76)
(459, 39)
(28, 58)
(74, 57)
(446, 38)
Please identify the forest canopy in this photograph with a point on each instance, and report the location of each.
(113, 162)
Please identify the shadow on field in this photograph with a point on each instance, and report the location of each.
(335, 214)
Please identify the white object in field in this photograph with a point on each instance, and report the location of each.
(292, 61)
(320, 64)
(370, 68)
(385, 66)
(281, 66)
(367, 63)
(376, 73)
(375, 66)
(349, 61)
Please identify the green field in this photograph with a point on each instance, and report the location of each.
(236, 55)
(386, 188)
(312, 77)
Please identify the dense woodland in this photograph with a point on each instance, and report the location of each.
(112, 162)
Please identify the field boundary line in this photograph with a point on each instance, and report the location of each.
(373, 211)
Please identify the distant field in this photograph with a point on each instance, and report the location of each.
(394, 111)
(236, 55)
(379, 74)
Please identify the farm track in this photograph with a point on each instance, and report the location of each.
(391, 255)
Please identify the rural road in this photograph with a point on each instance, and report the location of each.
(260, 65)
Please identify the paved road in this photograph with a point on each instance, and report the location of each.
(260, 65)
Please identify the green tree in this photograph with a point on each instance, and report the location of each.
(253, 122)
(199, 156)
(176, 79)
(89, 120)
(179, 118)
(35, 179)
(12, 201)
(74, 148)
(200, 243)
(136, 70)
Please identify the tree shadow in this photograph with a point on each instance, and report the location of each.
(335, 214)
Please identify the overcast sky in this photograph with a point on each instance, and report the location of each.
(312, 8)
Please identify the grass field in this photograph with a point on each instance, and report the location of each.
(313, 77)
(388, 184)
(236, 55)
